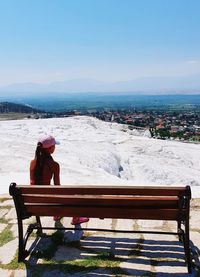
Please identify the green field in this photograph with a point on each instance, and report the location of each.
(13, 116)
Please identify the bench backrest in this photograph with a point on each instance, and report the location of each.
(164, 203)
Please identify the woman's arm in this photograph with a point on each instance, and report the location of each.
(31, 170)
(56, 176)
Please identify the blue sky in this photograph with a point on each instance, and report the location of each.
(109, 40)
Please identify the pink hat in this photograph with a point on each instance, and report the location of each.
(47, 141)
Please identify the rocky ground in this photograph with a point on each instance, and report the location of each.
(76, 253)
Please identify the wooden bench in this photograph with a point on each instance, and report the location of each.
(146, 203)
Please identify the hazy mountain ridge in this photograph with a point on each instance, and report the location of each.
(145, 85)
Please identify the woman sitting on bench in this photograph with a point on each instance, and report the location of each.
(43, 168)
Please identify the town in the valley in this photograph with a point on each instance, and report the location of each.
(165, 123)
(177, 125)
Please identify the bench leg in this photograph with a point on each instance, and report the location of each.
(187, 247)
(39, 231)
(22, 253)
(20, 241)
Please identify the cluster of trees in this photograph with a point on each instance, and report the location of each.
(8, 107)
(165, 133)
(161, 133)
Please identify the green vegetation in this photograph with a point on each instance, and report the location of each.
(195, 230)
(3, 220)
(105, 260)
(13, 111)
(6, 207)
(4, 199)
(14, 264)
(9, 107)
(6, 235)
(13, 116)
(102, 260)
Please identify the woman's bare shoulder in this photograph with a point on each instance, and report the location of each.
(56, 164)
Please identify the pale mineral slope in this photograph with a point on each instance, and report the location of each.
(96, 152)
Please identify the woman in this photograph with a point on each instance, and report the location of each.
(43, 169)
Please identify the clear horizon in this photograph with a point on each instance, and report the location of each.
(111, 41)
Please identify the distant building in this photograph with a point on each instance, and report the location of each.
(174, 128)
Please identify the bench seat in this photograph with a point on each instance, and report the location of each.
(136, 202)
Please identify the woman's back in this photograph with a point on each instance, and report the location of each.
(43, 168)
(49, 169)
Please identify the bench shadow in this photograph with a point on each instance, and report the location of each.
(136, 257)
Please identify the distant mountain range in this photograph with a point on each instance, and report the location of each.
(148, 85)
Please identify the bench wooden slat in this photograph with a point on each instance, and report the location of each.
(105, 212)
(97, 200)
(97, 190)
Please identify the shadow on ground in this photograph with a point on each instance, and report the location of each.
(71, 253)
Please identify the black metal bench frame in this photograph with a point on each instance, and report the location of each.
(102, 202)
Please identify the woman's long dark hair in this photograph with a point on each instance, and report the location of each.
(42, 157)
